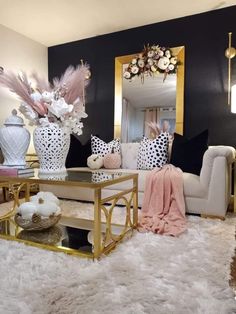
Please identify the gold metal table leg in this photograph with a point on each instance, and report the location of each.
(27, 192)
(234, 165)
(97, 222)
(135, 203)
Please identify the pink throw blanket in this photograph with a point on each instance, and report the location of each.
(163, 209)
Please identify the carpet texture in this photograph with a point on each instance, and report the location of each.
(145, 274)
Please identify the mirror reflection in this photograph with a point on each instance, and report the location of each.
(147, 104)
(140, 106)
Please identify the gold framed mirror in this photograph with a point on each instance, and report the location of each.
(121, 61)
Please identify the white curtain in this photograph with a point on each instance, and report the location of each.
(126, 115)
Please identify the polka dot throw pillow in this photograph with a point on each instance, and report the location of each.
(101, 148)
(153, 153)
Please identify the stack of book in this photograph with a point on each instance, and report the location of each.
(16, 172)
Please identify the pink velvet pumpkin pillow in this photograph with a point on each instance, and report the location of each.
(112, 161)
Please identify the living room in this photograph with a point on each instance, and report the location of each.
(116, 282)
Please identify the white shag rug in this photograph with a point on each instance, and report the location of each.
(145, 274)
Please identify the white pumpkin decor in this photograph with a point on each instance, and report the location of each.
(95, 161)
(27, 210)
(44, 204)
(46, 209)
(46, 196)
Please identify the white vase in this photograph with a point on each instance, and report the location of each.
(51, 144)
(14, 141)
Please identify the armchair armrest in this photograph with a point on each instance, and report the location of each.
(225, 152)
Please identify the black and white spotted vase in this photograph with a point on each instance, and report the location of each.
(51, 144)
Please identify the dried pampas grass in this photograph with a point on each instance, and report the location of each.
(74, 81)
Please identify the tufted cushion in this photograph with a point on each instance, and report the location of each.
(129, 155)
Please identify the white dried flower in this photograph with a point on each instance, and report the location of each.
(168, 54)
(59, 107)
(171, 67)
(36, 96)
(134, 61)
(127, 75)
(153, 68)
(173, 60)
(161, 53)
(80, 114)
(47, 96)
(44, 121)
(29, 113)
(163, 63)
(150, 53)
(141, 63)
(134, 69)
(150, 61)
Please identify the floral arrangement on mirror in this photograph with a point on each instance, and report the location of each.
(61, 102)
(151, 61)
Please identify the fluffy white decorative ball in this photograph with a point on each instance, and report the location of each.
(95, 161)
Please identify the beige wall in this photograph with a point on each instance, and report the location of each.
(18, 52)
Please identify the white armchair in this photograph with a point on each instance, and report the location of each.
(209, 194)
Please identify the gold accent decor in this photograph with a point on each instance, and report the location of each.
(120, 61)
(230, 53)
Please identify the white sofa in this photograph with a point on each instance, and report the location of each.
(207, 194)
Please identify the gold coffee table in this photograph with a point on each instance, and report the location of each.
(66, 235)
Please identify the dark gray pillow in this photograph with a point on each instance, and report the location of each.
(187, 154)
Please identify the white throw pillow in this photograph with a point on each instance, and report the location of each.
(153, 153)
(129, 153)
(101, 148)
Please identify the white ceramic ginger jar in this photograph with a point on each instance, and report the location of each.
(14, 141)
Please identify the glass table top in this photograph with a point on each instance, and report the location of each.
(73, 177)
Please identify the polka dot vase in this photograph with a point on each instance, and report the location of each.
(51, 144)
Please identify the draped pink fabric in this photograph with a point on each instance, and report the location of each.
(163, 209)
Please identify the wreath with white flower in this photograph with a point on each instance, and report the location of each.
(151, 61)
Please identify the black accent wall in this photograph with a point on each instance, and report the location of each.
(205, 37)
